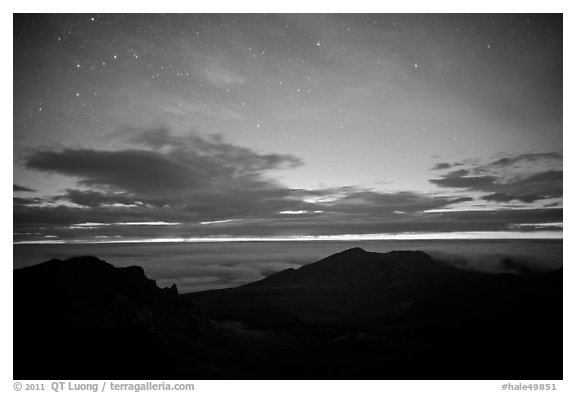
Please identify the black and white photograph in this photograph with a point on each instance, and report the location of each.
(288, 196)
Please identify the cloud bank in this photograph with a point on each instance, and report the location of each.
(193, 180)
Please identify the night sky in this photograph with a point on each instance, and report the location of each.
(143, 127)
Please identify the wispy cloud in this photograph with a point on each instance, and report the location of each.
(220, 76)
(18, 188)
(191, 186)
(526, 178)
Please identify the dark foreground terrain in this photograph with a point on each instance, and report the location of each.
(353, 315)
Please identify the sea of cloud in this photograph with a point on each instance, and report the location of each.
(204, 266)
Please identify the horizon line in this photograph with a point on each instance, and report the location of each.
(466, 235)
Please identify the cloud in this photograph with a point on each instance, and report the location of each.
(360, 201)
(62, 221)
(527, 178)
(542, 185)
(212, 152)
(137, 171)
(446, 165)
(221, 76)
(259, 211)
(167, 169)
(18, 188)
(457, 180)
(193, 179)
(17, 201)
(504, 197)
(441, 165)
(500, 257)
(509, 160)
(168, 177)
(88, 198)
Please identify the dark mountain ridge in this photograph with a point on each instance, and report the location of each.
(352, 315)
(90, 277)
(360, 270)
(423, 318)
(344, 288)
(83, 318)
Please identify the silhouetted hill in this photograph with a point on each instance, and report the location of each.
(88, 278)
(344, 288)
(82, 318)
(361, 270)
(423, 318)
(352, 315)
